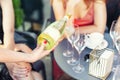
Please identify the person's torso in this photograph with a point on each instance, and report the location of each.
(87, 19)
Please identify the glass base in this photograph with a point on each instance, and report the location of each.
(116, 75)
(78, 69)
(115, 57)
(72, 61)
(67, 53)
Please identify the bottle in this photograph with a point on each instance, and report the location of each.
(53, 32)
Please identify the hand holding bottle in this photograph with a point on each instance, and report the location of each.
(40, 51)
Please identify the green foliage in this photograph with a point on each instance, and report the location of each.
(16, 3)
(19, 14)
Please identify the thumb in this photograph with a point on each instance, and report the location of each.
(43, 44)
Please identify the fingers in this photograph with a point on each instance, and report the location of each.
(20, 71)
(41, 52)
(42, 46)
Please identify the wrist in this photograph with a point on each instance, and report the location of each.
(29, 58)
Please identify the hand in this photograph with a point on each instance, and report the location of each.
(39, 52)
(21, 70)
(10, 68)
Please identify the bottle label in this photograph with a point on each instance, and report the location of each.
(53, 32)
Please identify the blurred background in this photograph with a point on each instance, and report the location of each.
(30, 17)
(31, 14)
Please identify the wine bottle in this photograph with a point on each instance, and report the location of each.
(53, 32)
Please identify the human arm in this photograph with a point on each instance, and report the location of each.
(58, 9)
(8, 28)
(8, 23)
(36, 54)
(118, 21)
(118, 24)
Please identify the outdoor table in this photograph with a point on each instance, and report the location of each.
(67, 68)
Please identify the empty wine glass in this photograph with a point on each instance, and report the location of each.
(68, 52)
(72, 39)
(68, 32)
(113, 32)
(116, 75)
(117, 43)
(79, 46)
(115, 35)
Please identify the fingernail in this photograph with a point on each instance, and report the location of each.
(45, 42)
(28, 71)
(26, 75)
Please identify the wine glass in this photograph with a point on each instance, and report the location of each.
(115, 35)
(68, 52)
(79, 46)
(113, 32)
(72, 39)
(117, 45)
(116, 75)
(68, 32)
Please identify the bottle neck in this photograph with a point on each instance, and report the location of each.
(61, 24)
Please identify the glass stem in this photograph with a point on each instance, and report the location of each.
(72, 50)
(79, 59)
(67, 46)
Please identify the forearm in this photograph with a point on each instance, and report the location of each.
(9, 42)
(58, 9)
(8, 23)
(91, 28)
(11, 56)
(118, 21)
(118, 24)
